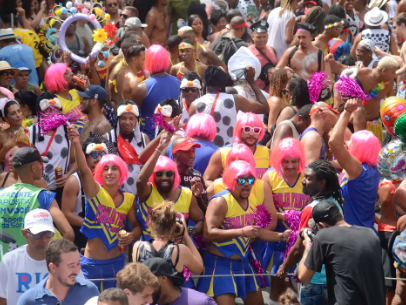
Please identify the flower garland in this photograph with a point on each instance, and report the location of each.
(375, 91)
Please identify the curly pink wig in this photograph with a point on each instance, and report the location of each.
(234, 171)
(156, 59)
(201, 125)
(288, 148)
(248, 119)
(54, 78)
(117, 161)
(240, 152)
(166, 164)
(365, 147)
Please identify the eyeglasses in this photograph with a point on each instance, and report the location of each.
(285, 91)
(95, 155)
(168, 174)
(124, 16)
(112, 4)
(193, 90)
(47, 234)
(7, 73)
(242, 181)
(255, 130)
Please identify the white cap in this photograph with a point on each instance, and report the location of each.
(92, 301)
(38, 220)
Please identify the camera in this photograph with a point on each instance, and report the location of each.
(179, 221)
(309, 232)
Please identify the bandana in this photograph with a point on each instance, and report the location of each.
(367, 44)
(185, 45)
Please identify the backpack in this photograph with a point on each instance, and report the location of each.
(225, 47)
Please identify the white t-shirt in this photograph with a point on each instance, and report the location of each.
(19, 272)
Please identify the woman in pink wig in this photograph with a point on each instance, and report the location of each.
(360, 177)
(158, 87)
(107, 210)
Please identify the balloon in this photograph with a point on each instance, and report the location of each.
(68, 5)
(392, 160)
(73, 10)
(391, 109)
(62, 33)
(64, 10)
(101, 63)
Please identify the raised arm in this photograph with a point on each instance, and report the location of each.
(351, 165)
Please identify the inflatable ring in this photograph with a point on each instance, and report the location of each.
(62, 33)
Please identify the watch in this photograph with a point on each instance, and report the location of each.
(191, 231)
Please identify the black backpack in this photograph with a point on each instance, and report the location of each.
(225, 47)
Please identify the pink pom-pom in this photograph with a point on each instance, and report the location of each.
(200, 242)
(85, 11)
(292, 218)
(349, 88)
(317, 82)
(186, 273)
(50, 119)
(92, 17)
(262, 216)
(159, 121)
(258, 270)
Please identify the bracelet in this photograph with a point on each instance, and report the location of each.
(157, 150)
(243, 234)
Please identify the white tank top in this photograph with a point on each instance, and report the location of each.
(295, 133)
(225, 115)
(78, 207)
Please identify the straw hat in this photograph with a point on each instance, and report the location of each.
(4, 65)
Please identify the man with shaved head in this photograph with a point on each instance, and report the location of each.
(184, 152)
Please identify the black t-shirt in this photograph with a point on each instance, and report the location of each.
(185, 181)
(352, 256)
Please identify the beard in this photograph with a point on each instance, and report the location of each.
(164, 189)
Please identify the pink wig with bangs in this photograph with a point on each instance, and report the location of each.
(240, 152)
(156, 59)
(54, 79)
(288, 148)
(166, 164)
(201, 125)
(234, 171)
(365, 147)
(248, 119)
(117, 161)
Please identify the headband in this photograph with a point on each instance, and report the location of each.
(165, 110)
(3, 102)
(190, 84)
(238, 26)
(329, 26)
(99, 147)
(45, 103)
(128, 109)
(185, 45)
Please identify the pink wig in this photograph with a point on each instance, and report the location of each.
(248, 119)
(117, 161)
(201, 125)
(156, 59)
(166, 164)
(365, 147)
(236, 170)
(240, 152)
(54, 79)
(288, 148)
(7, 93)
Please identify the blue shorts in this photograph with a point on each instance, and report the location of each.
(106, 269)
(273, 258)
(215, 286)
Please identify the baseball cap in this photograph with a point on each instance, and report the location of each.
(26, 155)
(324, 210)
(160, 267)
(185, 145)
(134, 23)
(94, 91)
(39, 220)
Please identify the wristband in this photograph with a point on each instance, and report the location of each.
(243, 234)
(157, 150)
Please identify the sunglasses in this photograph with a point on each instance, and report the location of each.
(168, 174)
(242, 181)
(193, 90)
(47, 234)
(255, 130)
(124, 16)
(7, 73)
(112, 4)
(95, 155)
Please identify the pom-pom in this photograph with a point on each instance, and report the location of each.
(317, 82)
(50, 119)
(92, 17)
(85, 11)
(262, 216)
(349, 88)
(258, 268)
(101, 63)
(64, 10)
(200, 243)
(159, 121)
(186, 273)
(68, 4)
(292, 218)
(73, 10)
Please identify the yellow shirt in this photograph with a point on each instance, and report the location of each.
(261, 156)
(31, 39)
(257, 190)
(72, 109)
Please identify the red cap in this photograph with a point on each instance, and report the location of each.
(237, 26)
(185, 145)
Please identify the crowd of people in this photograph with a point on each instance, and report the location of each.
(203, 152)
